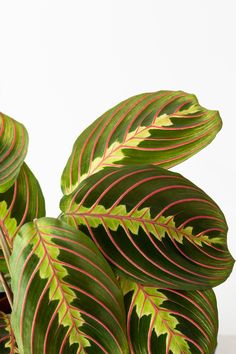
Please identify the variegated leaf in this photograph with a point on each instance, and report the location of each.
(162, 321)
(7, 339)
(23, 202)
(66, 297)
(161, 128)
(153, 225)
(13, 148)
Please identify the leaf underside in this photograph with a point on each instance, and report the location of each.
(162, 128)
(67, 300)
(23, 202)
(154, 226)
(13, 149)
(161, 321)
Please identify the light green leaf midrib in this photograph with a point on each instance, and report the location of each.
(134, 220)
(47, 270)
(145, 305)
(114, 152)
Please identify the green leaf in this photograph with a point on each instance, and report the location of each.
(13, 149)
(7, 339)
(153, 225)
(161, 321)
(162, 128)
(23, 202)
(66, 297)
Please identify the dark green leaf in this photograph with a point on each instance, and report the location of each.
(66, 298)
(23, 202)
(161, 321)
(153, 225)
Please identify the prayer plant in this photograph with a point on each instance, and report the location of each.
(129, 265)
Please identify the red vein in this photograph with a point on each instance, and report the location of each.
(107, 256)
(26, 204)
(2, 125)
(111, 185)
(172, 99)
(135, 185)
(82, 270)
(156, 309)
(91, 189)
(200, 308)
(34, 321)
(130, 260)
(13, 141)
(94, 253)
(174, 275)
(102, 304)
(175, 263)
(103, 128)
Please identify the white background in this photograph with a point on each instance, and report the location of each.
(63, 63)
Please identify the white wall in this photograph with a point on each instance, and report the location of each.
(63, 63)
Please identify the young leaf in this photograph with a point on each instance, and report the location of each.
(161, 128)
(23, 202)
(7, 339)
(13, 148)
(153, 225)
(66, 298)
(161, 321)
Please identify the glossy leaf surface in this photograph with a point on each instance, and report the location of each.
(7, 339)
(66, 297)
(153, 225)
(23, 202)
(161, 321)
(13, 148)
(162, 128)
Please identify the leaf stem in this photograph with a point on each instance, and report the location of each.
(7, 289)
(5, 248)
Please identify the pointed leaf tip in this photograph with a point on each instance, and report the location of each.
(162, 128)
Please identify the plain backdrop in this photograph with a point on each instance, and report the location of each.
(63, 63)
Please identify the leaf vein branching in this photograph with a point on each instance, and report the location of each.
(59, 290)
(136, 220)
